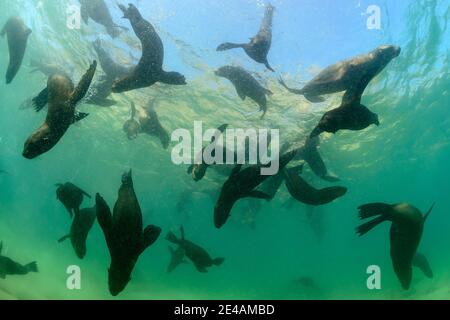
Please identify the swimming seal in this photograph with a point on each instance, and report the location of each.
(150, 67)
(124, 234)
(350, 115)
(8, 267)
(346, 74)
(71, 197)
(132, 126)
(300, 190)
(98, 11)
(201, 259)
(259, 45)
(246, 85)
(151, 125)
(17, 33)
(79, 230)
(405, 234)
(242, 184)
(62, 99)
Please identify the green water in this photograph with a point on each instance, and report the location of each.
(266, 250)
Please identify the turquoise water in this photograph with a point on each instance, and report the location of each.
(267, 248)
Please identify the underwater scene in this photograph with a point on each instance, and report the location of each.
(224, 149)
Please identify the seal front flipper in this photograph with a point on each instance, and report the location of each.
(150, 235)
(64, 238)
(78, 117)
(218, 261)
(173, 78)
(382, 210)
(84, 84)
(241, 93)
(104, 218)
(229, 45)
(40, 101)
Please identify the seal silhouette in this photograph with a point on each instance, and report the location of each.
(124, 234)
(9, 267)
(98, 11)
(405, 233)
(62, 99)
(79, 230)
(346, 74)
(17, 33)
(132, 127)
(150, 67)
(151, 125)
(71, 197)
(201, 259)
(259, 46)
(246, 85)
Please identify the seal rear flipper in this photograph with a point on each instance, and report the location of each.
(84, 84)
(218, 261)
(150, 235)
(41, 100)
(32, 267)
(421, 262)
(104, 218)
(64, 238)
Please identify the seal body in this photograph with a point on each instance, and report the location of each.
(62, 99)
(150, 67)
(9, 267)
(346, 74)
(259, 46)
(405, 233)
(201, 259)
(124, 234)
(246, 85)
(300, 190)
(17, 33)
(242, 184)
(79, 230)
(71, 197)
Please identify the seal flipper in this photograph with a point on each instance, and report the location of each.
(64, 238)
(428, 212)
(149, 236)
(229, 45)
(31, 267)
(173, 78)
(421, 262)
(218, 261)
(104, 218)
(84, 84)
(257, 194)
(201, 269)
(78, 117)
(370, 210)
(241, 93)
(40, 101)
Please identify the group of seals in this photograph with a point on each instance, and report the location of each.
(71, 197)
(17, 33)
(199, 257)
(147, 122)
(405, 235)
(9, 267)
(259, 45)
(62, 99)
(124, 234)
(150, 67)
(98, 11)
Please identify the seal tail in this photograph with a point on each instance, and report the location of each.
(32, 267)
(218, 261)
(228, 45)
(369, 210)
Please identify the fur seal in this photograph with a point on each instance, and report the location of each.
(242, 184)
(194, 252)
(8, 267)
(62, 99)
(71, 197)
(259, 46)
(132, 126)
(350, 115)
(246, 85)
(150, 67)
(151, 125)
(311, 155)
(81, 225)
(405, 234)
(346, 74)
(17, 33)
(98, 11)
(124, 234)
(176, 258)
(300, 190)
